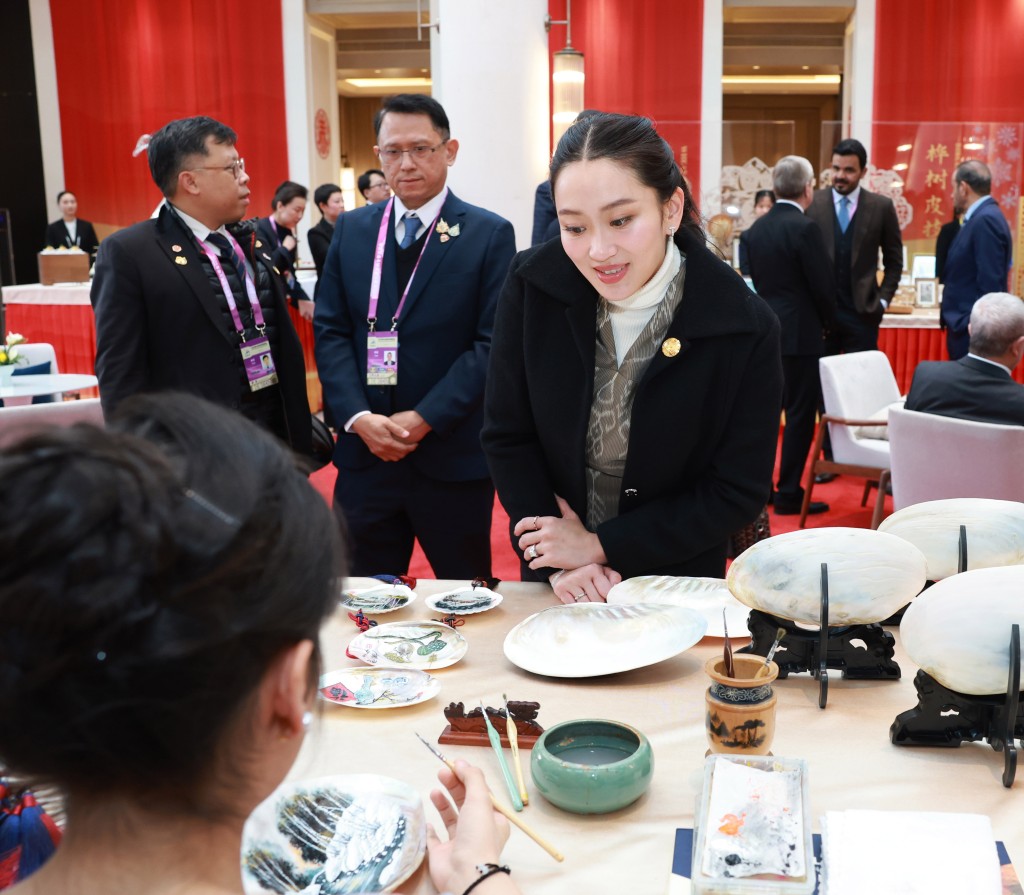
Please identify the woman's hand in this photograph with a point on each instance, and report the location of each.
(289, 242)
(552, 542)
(476, 832)
(588, 584)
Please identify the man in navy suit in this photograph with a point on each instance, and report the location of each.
(791, 271)
(980, 386)
(403, 327)
(980, 256)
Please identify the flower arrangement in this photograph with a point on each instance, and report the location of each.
(9, 354)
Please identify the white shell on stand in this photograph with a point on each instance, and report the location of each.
(705, 596)
(995, 532)
(959, 629)
(870, 575)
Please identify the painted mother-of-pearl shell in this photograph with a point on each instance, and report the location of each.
(870, 575)
(995, 532)
(959, 629)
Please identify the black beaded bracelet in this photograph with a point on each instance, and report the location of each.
(485, 871)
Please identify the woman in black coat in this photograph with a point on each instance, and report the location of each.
(289, 205)
(635, 383)
(70, 231)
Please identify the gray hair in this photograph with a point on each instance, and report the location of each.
(976, 175)
(791, 175)
(997, 321)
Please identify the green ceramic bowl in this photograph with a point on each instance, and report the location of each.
(591, 766)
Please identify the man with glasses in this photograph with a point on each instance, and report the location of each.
(189, 300)
(403, 324)
(373, 186)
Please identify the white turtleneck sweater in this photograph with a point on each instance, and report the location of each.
(629, 316)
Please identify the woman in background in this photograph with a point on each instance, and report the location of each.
(634, 387)
(162, 585)
(70, 231)
(763, 202)
(288, 206)
(329, 199)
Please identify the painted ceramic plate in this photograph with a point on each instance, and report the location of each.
(378, 688)
(590, 639)
(378, 599)
(410, 645)
(349, 833)
(464, 601)
(705, 596)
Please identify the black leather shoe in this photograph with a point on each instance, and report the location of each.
(823, 478)
(793, 509)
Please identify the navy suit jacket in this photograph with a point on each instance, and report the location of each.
(444, 333)
(791, 271)
(545, 218)
(977, 264)
(968, 389)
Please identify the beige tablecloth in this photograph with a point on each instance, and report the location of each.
(851, 761)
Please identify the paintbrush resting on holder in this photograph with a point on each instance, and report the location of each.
(492, 734)
(513, 741)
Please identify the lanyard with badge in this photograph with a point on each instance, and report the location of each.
(382, 347)
(257, 359)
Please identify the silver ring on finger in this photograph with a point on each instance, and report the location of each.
(536, 523)
(531, 552)
(579, 597)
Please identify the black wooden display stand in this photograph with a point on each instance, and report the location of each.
(862, 652)
(944, 717)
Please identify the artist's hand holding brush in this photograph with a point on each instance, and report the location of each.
(476, 835)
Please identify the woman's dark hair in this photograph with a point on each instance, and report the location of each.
(633, 141)
(324, 192)
(764, 194)
(149, 574)
(287, 191)
(64, 193)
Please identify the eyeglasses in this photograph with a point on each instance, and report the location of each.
(381, 185)
(237, 168)
(418, 153)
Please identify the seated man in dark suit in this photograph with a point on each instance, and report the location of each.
(980, 386)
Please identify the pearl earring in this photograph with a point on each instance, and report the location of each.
(307, 720)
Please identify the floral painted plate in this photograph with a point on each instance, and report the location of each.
(705, 596)
(410, 645)
(590, 639)
(378, 688)
(378, 599)
(464, 601)
(348, 833)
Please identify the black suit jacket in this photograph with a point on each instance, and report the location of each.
(319, 238)
(969, 389)
(704, 422)
(791, 271)
(159, 325)
(57, 236)
(875, 226)
(444, 334)
(545, 218)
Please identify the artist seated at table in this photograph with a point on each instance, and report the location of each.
(70, 231)
(634, 388)
(288, 206)
(162, 585)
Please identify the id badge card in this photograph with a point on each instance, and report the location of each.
(382, 358)
(258, 363)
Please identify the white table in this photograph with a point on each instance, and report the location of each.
(48, 384)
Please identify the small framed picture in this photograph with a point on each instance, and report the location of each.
(927, 292)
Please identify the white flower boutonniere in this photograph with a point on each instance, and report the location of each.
(445, 231)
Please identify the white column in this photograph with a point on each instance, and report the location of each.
(45, 64)
(709, 189)
(297, 116)
(489, 64)
(861, 78)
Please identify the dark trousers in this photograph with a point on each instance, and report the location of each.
(387, 505)
(855, 332)
(800, 397)
(957, 343)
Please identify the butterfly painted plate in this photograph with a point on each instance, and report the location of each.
(705, 596)
(341, 834)
(590, 639)
(464, 601)
(410, 645)
(378, 688)
(379, 599)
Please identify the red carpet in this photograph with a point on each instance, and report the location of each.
(843, 496)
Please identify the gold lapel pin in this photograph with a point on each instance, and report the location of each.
(259, 244)
(670, 347)
(175, 248)
(181, 259)
(266, 257)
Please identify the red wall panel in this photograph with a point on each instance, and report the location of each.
(134, 65)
